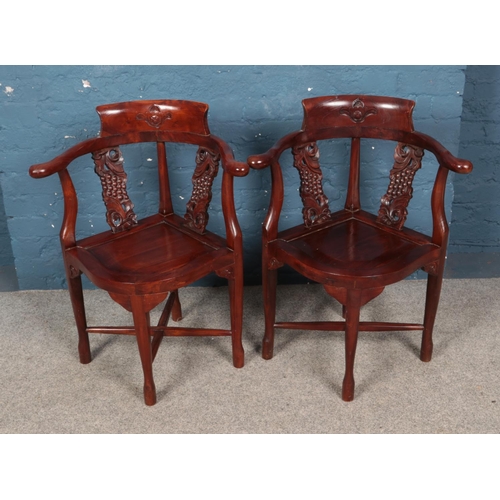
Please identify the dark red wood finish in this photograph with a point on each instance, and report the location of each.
(352, 253)
(140, 263)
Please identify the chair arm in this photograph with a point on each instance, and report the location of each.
(60, 162)
(236, 168)
(444, 157)
(229, 164)
(265, 159)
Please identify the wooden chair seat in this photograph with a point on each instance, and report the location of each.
(353, 248)
(123, 264)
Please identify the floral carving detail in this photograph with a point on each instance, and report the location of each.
(155, 116)
(306, 161)
(207, 166)
(393, 209)
(357, 112)
(109, 167)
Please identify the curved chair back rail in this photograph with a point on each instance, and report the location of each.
(354, 254)
(140, 263)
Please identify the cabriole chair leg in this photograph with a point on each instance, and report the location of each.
(269, 279)
(431, 305)
(353, 307)
(141, 324)
(235, 286)
(77, 302)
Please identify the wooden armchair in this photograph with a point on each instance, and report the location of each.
(142, 262)
(352, 253)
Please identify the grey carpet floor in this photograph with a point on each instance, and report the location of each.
(44, 389)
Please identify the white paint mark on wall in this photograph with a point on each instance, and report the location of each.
(9, 90)
(181, 197)
(309, 89)
(149, 159)
(70, 137)
(86, 84)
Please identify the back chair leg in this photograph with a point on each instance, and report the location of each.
(352, 310)
(176, 308)
(76, 295)
(269, 279)
(142, 333)
(431, 304)
(236, 307)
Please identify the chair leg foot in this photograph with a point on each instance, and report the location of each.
(348, 388)
(426, 353)
(150, 394)
(268, 346)
(84, 353)
(238, 358)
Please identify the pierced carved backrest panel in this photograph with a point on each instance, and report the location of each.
(393, 209)
(306, 161)
(357, 110)
(152, 116)
(207, 166)
(119, 209)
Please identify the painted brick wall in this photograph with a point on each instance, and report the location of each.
(45, 109)
(476, 204)
(6, 255)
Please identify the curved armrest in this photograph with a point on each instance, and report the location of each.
(60, 162)
(265, 159)
(230, 165)
(236, 168)
(444, 157)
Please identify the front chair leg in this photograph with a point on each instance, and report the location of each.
(352, 310)
(235, 285)
(269, 280)
(142, 333)
(76, 295)
(431, 304)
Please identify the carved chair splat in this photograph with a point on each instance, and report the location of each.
(355, 254)
(142, 262)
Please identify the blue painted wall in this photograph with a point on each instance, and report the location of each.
(476, 204)
(6, 255)
(45, 109)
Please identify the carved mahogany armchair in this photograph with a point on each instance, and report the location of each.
(354, 254)
(142, 262)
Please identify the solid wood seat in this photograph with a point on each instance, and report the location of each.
(142, 262)
(171, 252)
(354, 254)
(353, 248)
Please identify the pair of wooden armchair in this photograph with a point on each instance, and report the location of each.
(352, 253)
